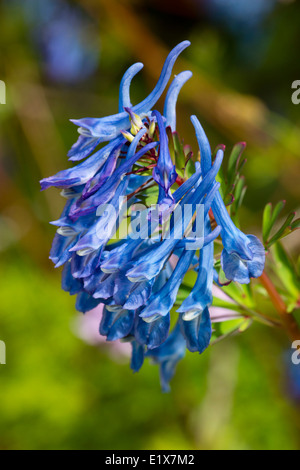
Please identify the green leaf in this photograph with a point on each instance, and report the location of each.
(278, 208)
(239, 194)
(284, 230)
(295, 225)
(234, 161)
(189, 168)
(171, 145)
(179, 153)
(267, 219)
(286, 271)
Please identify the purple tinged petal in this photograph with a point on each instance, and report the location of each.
(92, 282)
(108, 189)
(83, 172)
(82, 148)
(100, 178)
(164, 173)
(84, 266)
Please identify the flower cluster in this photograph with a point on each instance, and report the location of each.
(138, 278)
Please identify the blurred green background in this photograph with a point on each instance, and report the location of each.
(62, 60)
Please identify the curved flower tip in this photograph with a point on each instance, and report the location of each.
(204, 146)
(124, 96)
(171, 98)
(240, 270)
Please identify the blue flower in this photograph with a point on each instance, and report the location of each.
(136, 277)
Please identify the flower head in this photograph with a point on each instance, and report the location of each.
(133, 274)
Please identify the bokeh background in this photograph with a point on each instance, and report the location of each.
(61, 388)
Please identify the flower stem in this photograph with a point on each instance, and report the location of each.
(287, 319)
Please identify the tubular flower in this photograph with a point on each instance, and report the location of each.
(138, 272)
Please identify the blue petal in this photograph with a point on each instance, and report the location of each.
(161, 302)
(83, 147)
(197, 332)
(171, 98)
(100, 178)
(152, 334)
(92, 282)
(137, 357)
(85, 302)
(105, 287)
(124, 95)
(60, 250)
(121, 289)
(116, 325)
(83, 172)
(138, 294)
(164, 173)
(200, 296)
(105, 225)
(68, 282)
